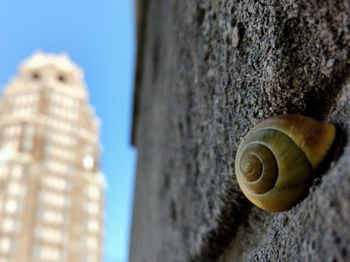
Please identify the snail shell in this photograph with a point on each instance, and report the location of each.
(276, 159)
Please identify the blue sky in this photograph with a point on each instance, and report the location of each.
(99, 36)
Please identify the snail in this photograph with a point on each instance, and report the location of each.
(276, 159)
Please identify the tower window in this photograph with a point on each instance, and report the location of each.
(62, 78)
(9, 225)
(35, 76)
(5, 245)
(88, 162)
(11, 206)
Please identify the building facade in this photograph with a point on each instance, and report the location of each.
(207, 72)
(51, 189)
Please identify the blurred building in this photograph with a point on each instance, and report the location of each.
(51, 190)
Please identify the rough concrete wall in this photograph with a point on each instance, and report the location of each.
(207, 72)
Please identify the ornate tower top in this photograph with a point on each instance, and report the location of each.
(60, 62)
(51, 71)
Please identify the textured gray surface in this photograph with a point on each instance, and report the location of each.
(208, 71)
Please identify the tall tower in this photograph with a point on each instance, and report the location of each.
(51, 190)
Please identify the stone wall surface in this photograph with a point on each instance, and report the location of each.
(207, 71)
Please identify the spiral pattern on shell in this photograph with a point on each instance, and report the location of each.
(275, 161)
